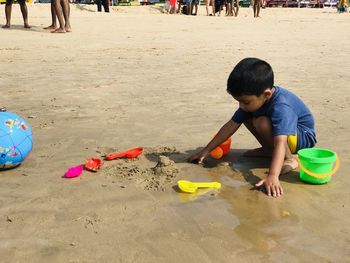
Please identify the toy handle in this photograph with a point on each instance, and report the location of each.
(320, 176)
(211, 184)
(113, 156)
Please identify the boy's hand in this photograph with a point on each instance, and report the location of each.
(198, 157)
(272, 186)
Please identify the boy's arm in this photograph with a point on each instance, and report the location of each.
(224, 133)
(271, 182)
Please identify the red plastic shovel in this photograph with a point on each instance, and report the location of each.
(132, 153)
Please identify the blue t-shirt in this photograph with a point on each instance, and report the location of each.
(288, 115)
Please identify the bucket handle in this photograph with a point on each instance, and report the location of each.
(320, 176)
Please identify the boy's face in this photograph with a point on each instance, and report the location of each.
(251, 103)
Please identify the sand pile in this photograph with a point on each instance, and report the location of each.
(164, 174)
(152, 171)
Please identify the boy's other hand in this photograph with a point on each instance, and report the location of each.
(272, 186)
(198, 157)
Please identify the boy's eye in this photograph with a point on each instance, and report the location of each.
(245, 102)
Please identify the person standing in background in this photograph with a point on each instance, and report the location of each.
(62, 10)
(195, 4)
(212, 3)
(256, 7)
(105, 5)
(8, 10)
(53, 17)
(172, 7)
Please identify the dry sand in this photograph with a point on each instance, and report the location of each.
(136, 77)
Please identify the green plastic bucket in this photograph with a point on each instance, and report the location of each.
(317, 165)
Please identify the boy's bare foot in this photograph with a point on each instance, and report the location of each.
(50, 27)
(258, 152)
(289, 165)
(27, 26)
(6, 26)
(68, 29)
(58, 30)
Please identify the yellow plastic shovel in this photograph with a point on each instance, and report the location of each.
(191, 187)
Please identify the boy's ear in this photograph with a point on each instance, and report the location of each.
(267, 93)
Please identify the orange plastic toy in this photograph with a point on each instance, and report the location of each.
(217, 153)
(93, 164)
(222, 149)
(132, 153)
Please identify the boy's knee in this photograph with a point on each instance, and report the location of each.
(9, 2)
(262, 123)
(21, 2)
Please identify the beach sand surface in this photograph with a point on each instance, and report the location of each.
(138, 78)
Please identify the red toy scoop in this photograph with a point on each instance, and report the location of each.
(132, 153)
(93, 164)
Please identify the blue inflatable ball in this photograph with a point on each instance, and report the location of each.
(16, 140)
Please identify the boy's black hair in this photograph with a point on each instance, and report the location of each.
(251, 76)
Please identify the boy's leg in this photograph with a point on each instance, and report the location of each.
(53, 17)
(261, 128)
(290, 163)
(8, 9)
(24, 11)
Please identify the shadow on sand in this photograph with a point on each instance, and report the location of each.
(22, 28)
(238, 163)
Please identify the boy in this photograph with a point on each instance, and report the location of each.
(8, 10)
(277, 118)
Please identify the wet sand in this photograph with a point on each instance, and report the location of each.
(136, 77)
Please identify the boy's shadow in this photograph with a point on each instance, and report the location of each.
(238, 163)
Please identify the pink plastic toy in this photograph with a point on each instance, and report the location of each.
(74, 171)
